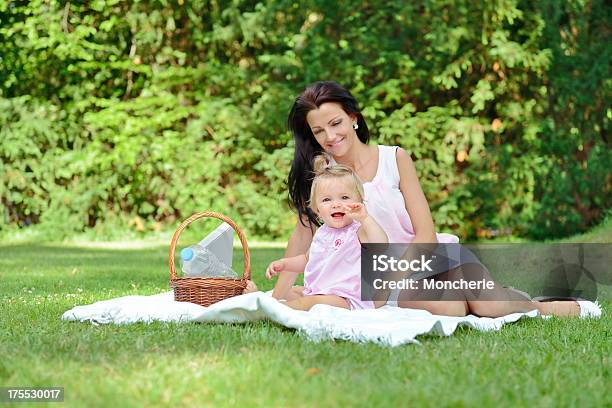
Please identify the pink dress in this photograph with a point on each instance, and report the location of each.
(334, 265)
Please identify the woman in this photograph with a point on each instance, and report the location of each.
(326, 117)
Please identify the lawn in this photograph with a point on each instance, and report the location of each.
(533, 362)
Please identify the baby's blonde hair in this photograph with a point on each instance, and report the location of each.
(324, 170)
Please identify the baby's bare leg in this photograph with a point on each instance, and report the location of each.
(295, 292)
(283, 285)
(250, 287)
(306, 302)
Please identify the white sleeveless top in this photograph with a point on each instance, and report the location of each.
(385, 202)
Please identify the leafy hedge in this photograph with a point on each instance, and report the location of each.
(144, 112)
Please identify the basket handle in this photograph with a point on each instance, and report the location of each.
(245, 248)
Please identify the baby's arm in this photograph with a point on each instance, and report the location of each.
(369, 231)
(295, 264)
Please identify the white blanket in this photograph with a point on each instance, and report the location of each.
(390, 326)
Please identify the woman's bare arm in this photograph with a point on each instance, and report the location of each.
(416, 203)
(299, 242)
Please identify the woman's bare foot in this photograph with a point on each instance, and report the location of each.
(250, 287)
(564, 308)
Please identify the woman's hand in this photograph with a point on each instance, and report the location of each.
(356, 211)
(275, 268)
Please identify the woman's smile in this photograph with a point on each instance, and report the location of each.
(335, 144)
(331, 127)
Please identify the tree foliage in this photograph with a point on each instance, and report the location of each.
(129, 110)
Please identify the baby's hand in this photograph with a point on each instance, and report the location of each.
(356, 211)
(275, 268)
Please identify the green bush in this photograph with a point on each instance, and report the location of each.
(141, 113)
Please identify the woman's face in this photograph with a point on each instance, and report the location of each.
(332, 127)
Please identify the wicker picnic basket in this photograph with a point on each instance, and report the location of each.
(206, 291)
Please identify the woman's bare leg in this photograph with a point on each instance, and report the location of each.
(564, 308)
(437, 302)
(502, 301)
(496, 302)
(491, 303)
(437, 307)
(306, 302)
(492, 308)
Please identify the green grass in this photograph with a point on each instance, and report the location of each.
(530, 363)
(600, 233)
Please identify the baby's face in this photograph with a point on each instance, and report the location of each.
(331, 196)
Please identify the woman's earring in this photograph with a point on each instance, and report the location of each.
(355, 125)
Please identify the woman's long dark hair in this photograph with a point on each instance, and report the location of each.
(306, 146)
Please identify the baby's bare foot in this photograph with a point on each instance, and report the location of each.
(250, 287)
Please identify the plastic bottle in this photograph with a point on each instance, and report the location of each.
(197, 261)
